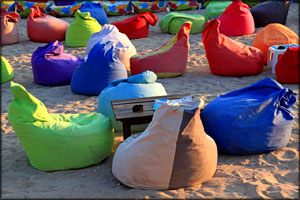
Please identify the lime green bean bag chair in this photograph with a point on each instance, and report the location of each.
(174, 21)
(7, 72)
(81, 29)
(58, 141)
(215, 9)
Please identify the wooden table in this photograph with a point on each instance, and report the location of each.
(123, 111)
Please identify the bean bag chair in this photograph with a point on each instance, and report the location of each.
(7, 72)
(81, 29)
(274, 34)
(174, 21)
(98, 71)
(45, 28)
(123, 46)
(137, 86)
(236, 59)
(215, 8)
(173, 152)
(51, 66)
(287, 67)
(237, 20)
(136, 26)
(252, 120)
(169, 60)
(96, 10)
(9, 28)
(270, 12)
(58, 141)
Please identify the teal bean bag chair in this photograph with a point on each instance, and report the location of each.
(137, 86)
(58, 141)
(81, 29)
(215, 9)
(7, 72)
(174, 21)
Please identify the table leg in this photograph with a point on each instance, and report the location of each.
(126, 130)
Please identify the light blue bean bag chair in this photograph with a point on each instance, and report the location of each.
(137, 86)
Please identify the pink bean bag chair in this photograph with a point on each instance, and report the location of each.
(169, 60)
(227, 57)
(9, 28)
(237, 20)
(45, 28)
(137, 26)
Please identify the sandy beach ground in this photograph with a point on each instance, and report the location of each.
(271, 175)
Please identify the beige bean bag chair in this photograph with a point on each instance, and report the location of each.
(173, 152)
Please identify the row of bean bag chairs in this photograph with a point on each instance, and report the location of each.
(260, 116)
(173, 152)
(270, 12)
(124, 49)
(184, 5)
(7, 72)
(58, 141)
(227, 57)
(169, 60)
(9, 28)
(45, 28)
(173, 21)
(51, 66)
(136, 86)
(137, 26)
(274, 34)
(98, 71)
(215, 8)
(81, 29)
(237, 20)
(287, 67)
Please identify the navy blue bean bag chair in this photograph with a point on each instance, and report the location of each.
(270, 12)
(97, 11)
(51, 66)
(137, 86)
(252, 120)
(98, 71)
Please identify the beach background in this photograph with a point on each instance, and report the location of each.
(270, 175)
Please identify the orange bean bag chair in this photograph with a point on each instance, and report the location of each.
(45, 28)
(9, 28)
(227, 57)
(237, 20)
(274, 34)
(137, 26)
(169, 60)
(287, 67)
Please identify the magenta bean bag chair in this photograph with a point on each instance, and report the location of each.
(51, 66)
(45, 28)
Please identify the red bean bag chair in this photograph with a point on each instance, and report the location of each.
(287, 67)
(45, 28)
(137, 26)
(237, 20)
(9, 28)
(169, 60)
(274, 34)
(227, 57)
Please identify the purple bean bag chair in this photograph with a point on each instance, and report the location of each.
(51, 66)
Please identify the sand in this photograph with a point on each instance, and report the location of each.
(270, 175)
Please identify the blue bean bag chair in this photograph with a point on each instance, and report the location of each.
(97, 11)
(252, 120)
(51, 66)
(137, 86)
(98, 71)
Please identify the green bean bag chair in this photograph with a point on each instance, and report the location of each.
(81, 29)
(58, 141)
(7, 72)
(174, 20)
(215, 9)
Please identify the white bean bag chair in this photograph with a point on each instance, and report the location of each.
(173, 152)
